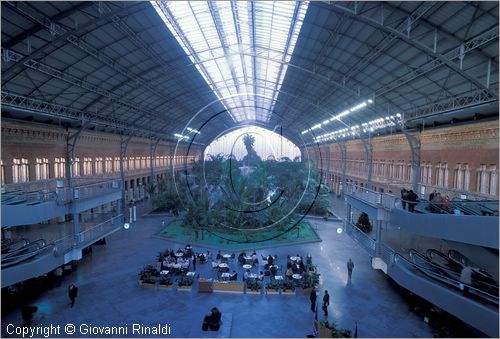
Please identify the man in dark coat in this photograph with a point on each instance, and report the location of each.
(72, 293)
(326, 302)
(313, 298)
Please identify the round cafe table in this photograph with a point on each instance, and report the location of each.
(247, 266)
(297, 276)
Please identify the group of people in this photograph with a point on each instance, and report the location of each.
(409, 198)
(364, 223)
(185, 258)
(439, 203)
(326, 301)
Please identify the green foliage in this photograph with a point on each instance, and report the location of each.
(336, 333)
(249, 141)
(216, 193)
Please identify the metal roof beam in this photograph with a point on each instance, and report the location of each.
(40, 51)
(477, 97)
(40, 25)
(442, 59)
(468, 46)
(389, 39)
(59, 30)
(66, 77)
(44, 108)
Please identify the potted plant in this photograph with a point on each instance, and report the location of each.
(253, 286)
(272, 288)
(327, 330)
(185, 283)
(166, 281)
(288, 288)
(147, 277)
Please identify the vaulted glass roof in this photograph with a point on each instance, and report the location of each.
(241, 48)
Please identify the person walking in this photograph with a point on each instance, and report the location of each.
(326, 302)
(350, 266)
(465, 279)
(72, 293)
(313, 298)
(403, 198)
(194, 262)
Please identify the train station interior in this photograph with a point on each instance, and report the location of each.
(261, 169)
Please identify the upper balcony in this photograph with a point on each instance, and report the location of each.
(26, 208)
(467, 221)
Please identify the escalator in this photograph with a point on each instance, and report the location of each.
(438, 267)
(13, 245)
(28, 251)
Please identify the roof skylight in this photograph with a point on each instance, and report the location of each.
(241, 48)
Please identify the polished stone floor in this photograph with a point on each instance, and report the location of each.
(109, 294)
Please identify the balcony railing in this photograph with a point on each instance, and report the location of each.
(61, 194)
(100, 230)
(459, 206)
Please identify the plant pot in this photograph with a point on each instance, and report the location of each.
(272, 291)
(146, 284)
(288, 291)
(165, 286)
(184, 288)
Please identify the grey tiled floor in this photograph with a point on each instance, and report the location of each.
(109, 294)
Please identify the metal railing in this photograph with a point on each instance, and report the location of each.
(365, 194)
(361, 238)
(99, 230)
(398, 258)
(62, 194)
(390, 201)
(16, 198)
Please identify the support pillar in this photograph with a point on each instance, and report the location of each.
(415, 149)
(343, 153)
(71, 141)
(123, 152)
(369, 161)
(152, 154)
(378, 238)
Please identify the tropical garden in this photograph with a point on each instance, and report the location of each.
(237, 198)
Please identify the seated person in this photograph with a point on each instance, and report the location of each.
(289, 273)
(212, 321)
(219, 256)
(302, 268)
(202, 258)
(255, 259)
(270, 259)
(233, 275)
(261, 276)
(273, 270)
(267, 273)
(215, 264)
(241, 258)
(233, 255)
(246, 275)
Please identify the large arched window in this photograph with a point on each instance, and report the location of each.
(268, 144)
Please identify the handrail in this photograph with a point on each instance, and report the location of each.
(450, 281)
(100, 229)
(363, 239)
(390, 201)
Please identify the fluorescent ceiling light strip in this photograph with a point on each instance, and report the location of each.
(370, 126)
(208, 30)
(340, 115)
